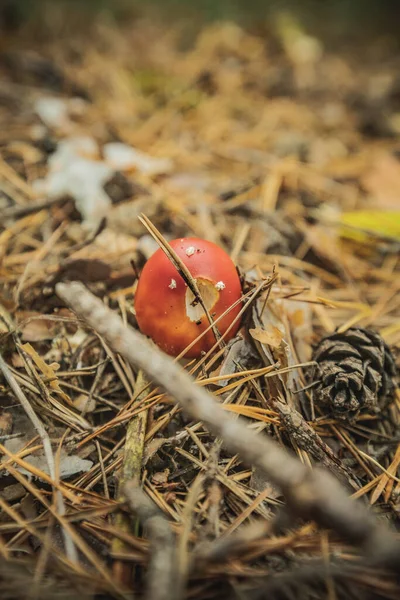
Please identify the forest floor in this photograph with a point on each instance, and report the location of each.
(287, 155)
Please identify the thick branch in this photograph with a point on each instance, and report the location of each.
(312, 494)
(162, 572)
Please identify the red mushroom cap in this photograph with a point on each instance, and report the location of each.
(163, 301)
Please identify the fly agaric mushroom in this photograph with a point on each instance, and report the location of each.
(166, 308)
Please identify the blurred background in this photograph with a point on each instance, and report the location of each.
(331, 18)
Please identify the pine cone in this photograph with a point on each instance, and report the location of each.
(355, 370)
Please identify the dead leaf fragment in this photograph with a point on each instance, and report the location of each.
(84, 403)
(239, 354)
(272, 337)
(6, 423)
(68, 465)
(161, 477)
(382, 181)
(153, 447)
(13, 492)
(35, 327)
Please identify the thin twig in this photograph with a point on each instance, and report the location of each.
(312, 494)
(183, 544)
(15, 212)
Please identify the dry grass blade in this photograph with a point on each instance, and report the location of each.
(8, 174)
(22, 211)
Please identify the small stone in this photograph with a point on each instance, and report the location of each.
(220, 286)
(190, 251)
(172, 285)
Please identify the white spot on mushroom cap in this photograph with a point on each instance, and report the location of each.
(220, 286)
(172, 285)
(190, 251)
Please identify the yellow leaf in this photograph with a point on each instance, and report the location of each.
(360, 224)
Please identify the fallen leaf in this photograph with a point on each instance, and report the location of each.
(6, 423)
(297, 318)
(153, 447)
(272, 337)
(239, 355)
(84, 404)
(300, 319)
(324, 242)
(160, 477)
(35, 327)
(382, 181)
(360, 223)
(68, 464)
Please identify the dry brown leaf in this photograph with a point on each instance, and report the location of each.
(239, 355)
(6, 423)
(299, 315)
(37, 329)
(84, 403)
(160, 477)
(382, 181)
(297, 318)
(324, 242)
(152, 447)
(272, 337)
(68, 464)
